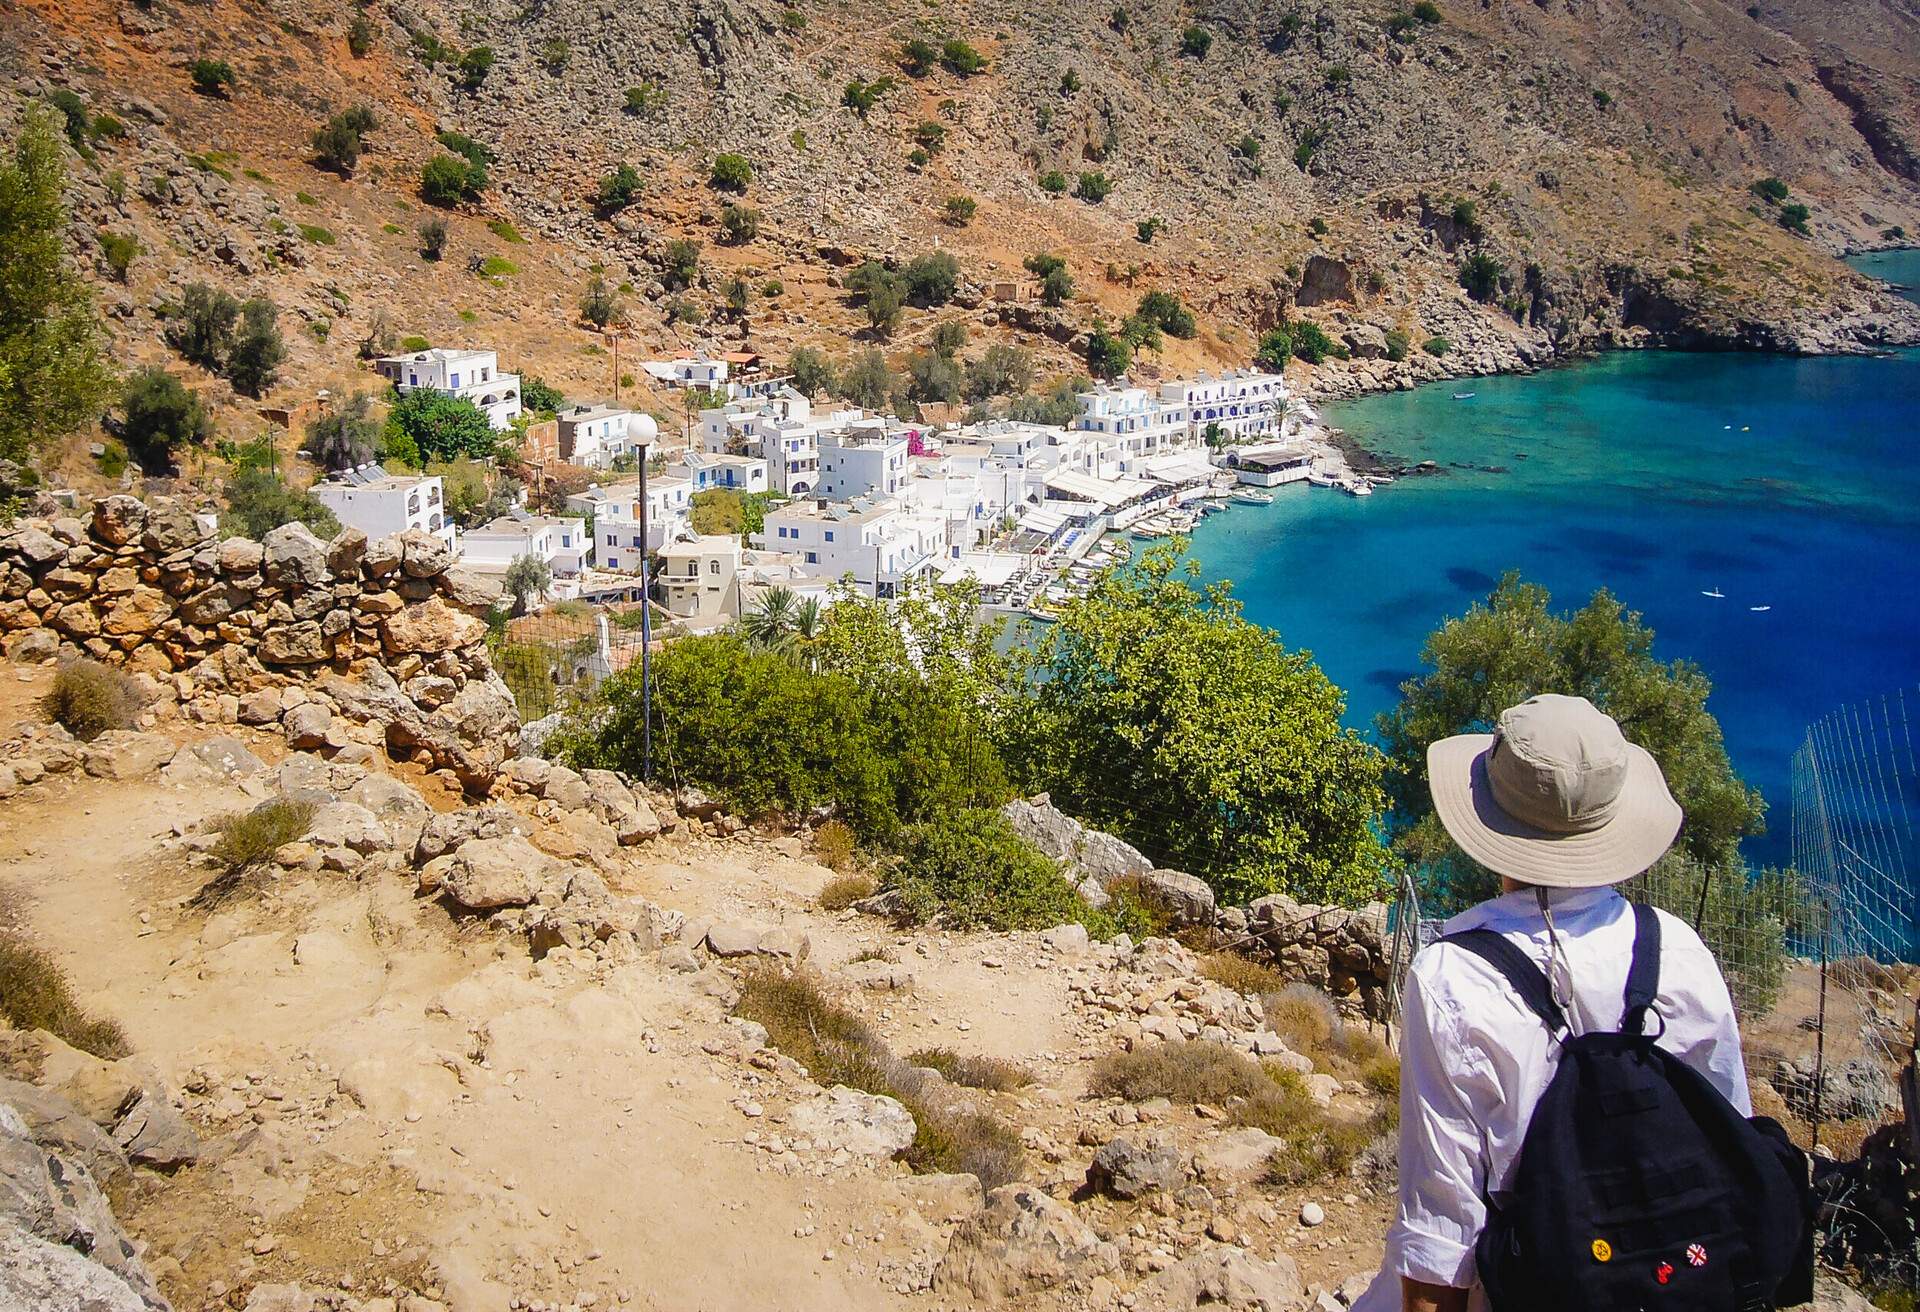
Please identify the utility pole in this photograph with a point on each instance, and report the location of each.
(646, 635)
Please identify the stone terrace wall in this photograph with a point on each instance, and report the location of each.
(1344, 950)
(383, 639)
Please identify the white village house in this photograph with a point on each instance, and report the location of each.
(368, 498)
(561, 542)
(472, 375)
(598, 435)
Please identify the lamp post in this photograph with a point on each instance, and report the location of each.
(646, 629)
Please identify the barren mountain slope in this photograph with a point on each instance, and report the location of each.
(1608, 148)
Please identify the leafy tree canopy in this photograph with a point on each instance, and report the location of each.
(1514, 645)
(52, 375)
(440, 427)
(1164, 716)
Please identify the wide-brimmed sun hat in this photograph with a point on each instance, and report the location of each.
(1555, 796)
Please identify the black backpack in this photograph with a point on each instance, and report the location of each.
(1638, 1186)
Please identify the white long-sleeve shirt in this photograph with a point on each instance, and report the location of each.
(1474, 1062)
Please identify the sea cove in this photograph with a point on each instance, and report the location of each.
(1783, 482)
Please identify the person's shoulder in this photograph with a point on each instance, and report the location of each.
(1677, 937)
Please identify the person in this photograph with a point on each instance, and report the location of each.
(1563, 808)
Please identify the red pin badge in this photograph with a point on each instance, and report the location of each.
(1663, 1272)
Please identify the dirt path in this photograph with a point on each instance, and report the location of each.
(506, 1128)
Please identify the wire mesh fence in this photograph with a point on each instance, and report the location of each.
(556, 655)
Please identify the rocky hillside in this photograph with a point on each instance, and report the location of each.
(1334, 158)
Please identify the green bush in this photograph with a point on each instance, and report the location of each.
(446, 180)
(360, 36)
(1276, 348)
(958, 57)
(1195, 42)
(861, 96)
(739, 224)
(1164, 311)
(88, 698)
(441, 427)
(35, 995)
(930, 280)
(682, 258)
(1093, 187)
(1398, 344)
(768, 734)
(959, 210)
(1771, 190)
(258, 503)
(1436, 346)
(731, 173)
(1054, 182)
(1794, 218)
(211, 77)
(971, 870)
(1481, 274)
(917, 56)
(119, 250)
(618, 189)
(1311, 343)
(433, 242)
(160, 415)
(554, 55)
(474, 67)
(1427, 12)
(646, 100)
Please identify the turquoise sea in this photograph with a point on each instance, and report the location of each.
(1782, 482)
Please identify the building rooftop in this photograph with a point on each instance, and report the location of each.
(526, 525)
(438, 353)
(586, 414)
(373, 478)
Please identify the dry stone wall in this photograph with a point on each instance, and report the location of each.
(1344, 950)
(341, 642)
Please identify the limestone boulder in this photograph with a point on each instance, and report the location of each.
(490, 873)
(119, 519)
(1226, 1278)
(295, 558)
(431, 627)
(1124, 1169)
(1183, 898)
(240, 556)
(154, 1134)
(124, 754)
(424, 556)
(864, 1124)
(302, 643)
(346, 551)
(170, 527)
(1021, 1242)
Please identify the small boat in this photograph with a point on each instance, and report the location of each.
(1464, 396)
(1357, 487)
(1715, 593)
(1253, 497)
(1759, 610)
(1318, 479)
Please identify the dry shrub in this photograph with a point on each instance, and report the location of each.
(974, 1072)
(1316, 1144)
(949, 1141)
(1382, 1075)
(1242, 975)
(1862, 973)
(34, 995)
(1187, 1071)
(843, 891)
(887, 955)
(250, 837)
(1304, 1016)
(1135, 910)
(838, 1047)
(833, 844)
(88, 698)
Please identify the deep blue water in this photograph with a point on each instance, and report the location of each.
(1782, 482)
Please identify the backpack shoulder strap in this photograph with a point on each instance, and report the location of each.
(1643, 975)
(1527, 979)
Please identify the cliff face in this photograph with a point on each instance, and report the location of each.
(1326, 154)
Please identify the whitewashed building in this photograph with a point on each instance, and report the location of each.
(598, 435)
(472, 375)
(743, 474)
(880, 544)
(781, 429)
(378, 503)
(864, 459)
(559, 541)
(1245, 403)
(615, 508)
(1124, 426)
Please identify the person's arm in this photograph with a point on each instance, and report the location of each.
(1430, 1246)
(1419, 1296)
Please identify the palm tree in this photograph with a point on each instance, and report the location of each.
(770, 624)
(809, 621)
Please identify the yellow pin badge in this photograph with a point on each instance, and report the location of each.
(1602, 1251)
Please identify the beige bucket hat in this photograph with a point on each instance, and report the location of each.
(1555, 796)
